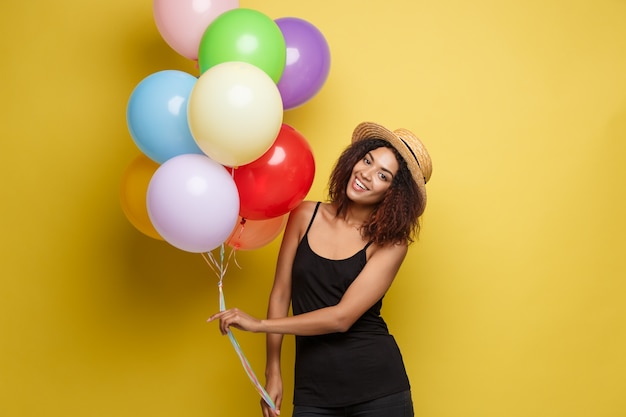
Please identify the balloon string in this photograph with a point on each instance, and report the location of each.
(237, 236)
(220, 269)
(242, 223)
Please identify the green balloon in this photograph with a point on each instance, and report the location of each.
(244, 35)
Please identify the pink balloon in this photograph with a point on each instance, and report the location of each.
(182, 23)
(193, 202)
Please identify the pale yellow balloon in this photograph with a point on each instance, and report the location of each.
(235, 112)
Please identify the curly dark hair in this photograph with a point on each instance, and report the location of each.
(396, 218)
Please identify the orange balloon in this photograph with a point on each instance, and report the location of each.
(254, 234)
(134, 187)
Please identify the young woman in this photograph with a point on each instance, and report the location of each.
(336, 262)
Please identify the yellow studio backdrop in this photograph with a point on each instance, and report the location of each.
(510, 304)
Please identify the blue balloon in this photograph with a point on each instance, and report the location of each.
(157, 115)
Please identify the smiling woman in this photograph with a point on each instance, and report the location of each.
(337, 261)
(376, 169)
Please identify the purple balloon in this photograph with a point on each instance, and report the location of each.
(308, 61)
(193, 202)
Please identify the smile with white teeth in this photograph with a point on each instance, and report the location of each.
(360, 184)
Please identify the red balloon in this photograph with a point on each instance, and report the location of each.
(276, 182)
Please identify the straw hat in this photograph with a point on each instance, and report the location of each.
(407, 144)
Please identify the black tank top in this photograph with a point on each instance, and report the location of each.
(340, 369)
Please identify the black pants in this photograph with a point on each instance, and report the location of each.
(395, 405)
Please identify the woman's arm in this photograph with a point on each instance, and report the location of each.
(280, 300)
(371, 284)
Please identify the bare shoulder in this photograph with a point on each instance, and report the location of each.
(304, 210)
(300, 217)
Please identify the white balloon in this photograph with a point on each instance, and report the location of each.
(193, 202)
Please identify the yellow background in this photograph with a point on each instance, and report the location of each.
(511, 304)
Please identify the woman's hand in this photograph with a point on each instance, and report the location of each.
(274, 388)
(237, 319)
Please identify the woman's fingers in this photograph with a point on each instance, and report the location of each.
(267, 411)
(222, 316)
(235, 318)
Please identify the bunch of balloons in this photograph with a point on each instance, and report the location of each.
(218, 164)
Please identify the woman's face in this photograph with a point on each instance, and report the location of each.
(372, 176)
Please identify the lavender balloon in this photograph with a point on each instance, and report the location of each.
(193, 202)
(308, 61)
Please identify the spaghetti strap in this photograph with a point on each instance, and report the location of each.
(368, 245)
(312, 217)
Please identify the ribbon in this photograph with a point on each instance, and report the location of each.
(220, 269)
